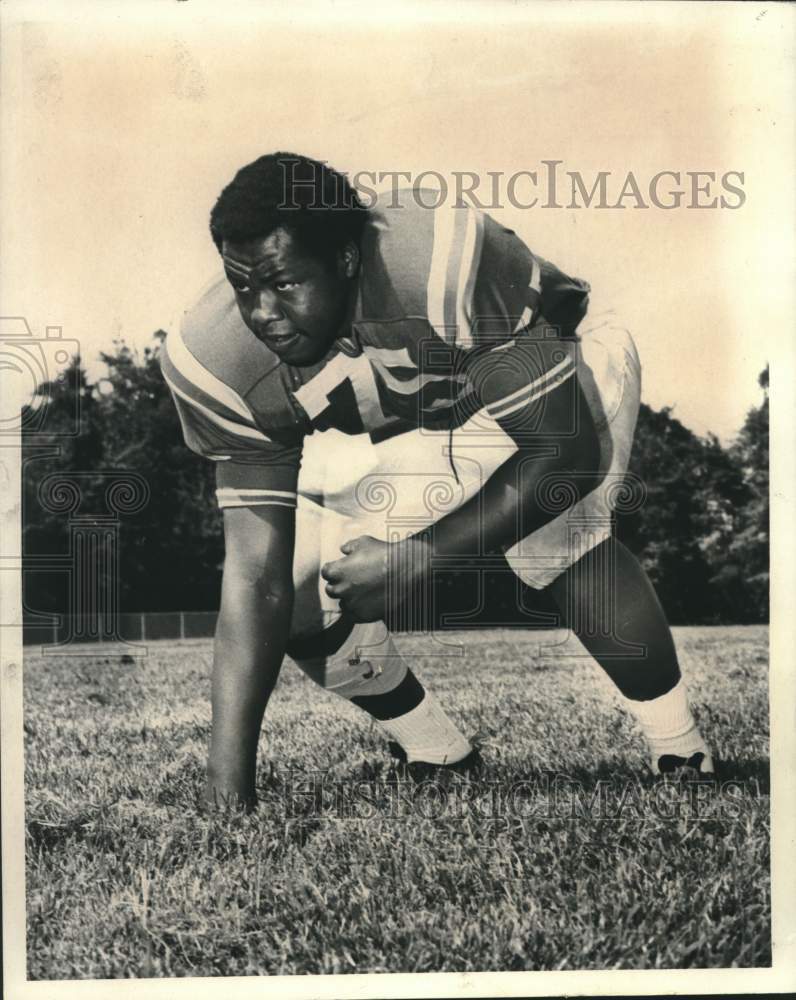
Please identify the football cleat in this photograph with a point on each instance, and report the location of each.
(672, 767)
(421, 770)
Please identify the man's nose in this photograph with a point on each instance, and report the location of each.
(266, 308)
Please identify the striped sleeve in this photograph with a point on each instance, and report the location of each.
(252, 469)
(483, 284)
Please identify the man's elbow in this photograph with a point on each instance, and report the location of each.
(265, 579)
(251, 604)
(273, 589)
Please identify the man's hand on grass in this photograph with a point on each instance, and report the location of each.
(231, 792)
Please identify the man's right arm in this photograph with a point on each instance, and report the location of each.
(251, 636)
(256, 476)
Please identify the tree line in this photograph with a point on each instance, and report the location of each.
(702, 534)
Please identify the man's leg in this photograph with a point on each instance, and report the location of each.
(360, 662)
(608, 601)
(605, 597)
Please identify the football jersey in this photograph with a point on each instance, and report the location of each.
(453, 314)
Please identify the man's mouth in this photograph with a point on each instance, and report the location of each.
(279, 341)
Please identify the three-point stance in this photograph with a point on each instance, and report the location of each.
(345, 346)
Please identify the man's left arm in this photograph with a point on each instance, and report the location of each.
(532, 393)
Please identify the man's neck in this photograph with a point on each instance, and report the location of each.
(346, 339)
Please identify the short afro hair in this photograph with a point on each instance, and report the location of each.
(307, 197)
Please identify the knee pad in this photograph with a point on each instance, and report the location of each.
(365, 661)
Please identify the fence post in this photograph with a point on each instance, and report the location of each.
(143, 627)
(182, 625)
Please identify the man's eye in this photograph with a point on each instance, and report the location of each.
(241, 289)
(285, 286)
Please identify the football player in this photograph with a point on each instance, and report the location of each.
(387, 392)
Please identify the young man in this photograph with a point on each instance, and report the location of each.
(406, 352)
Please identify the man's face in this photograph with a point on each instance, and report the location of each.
(292, 301)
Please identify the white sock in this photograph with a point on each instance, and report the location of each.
(368, 663)
(669, 726)
(426, 733)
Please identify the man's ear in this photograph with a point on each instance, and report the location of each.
(348, 260)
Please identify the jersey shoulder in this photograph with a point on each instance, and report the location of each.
(396, 252)
(449, 270)
(454, 271)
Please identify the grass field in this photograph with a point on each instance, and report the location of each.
(343, 870)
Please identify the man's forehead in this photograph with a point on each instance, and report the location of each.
(274, 250)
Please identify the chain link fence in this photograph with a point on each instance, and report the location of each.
(137, 627)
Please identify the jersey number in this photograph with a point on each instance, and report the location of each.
(347, 387)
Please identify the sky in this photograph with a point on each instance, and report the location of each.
(128, 120)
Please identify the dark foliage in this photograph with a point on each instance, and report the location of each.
(702, 534)
(171, 550)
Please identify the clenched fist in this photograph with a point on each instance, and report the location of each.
(360, 580)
